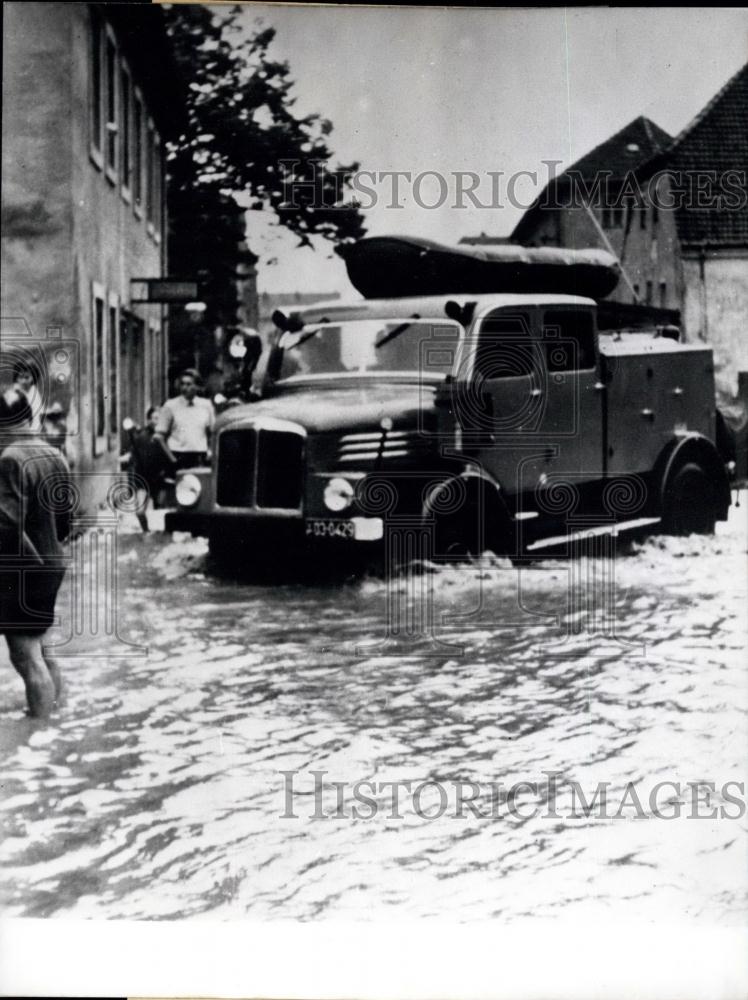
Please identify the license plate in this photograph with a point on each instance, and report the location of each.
(331, 529)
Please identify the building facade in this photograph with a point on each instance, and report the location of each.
(706, 167)
(597, 203)
(88, 100)
(675, 212)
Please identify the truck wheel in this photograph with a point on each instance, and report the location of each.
(469, 517)
(455, 538)
(462, 536)
(689, 503)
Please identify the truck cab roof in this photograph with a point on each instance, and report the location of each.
(428, 306)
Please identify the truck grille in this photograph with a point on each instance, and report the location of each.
(375, 446)
(235, 485)
(259, 468)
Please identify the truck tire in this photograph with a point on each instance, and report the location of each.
(456, 537)
(478, 523)
(689, 501)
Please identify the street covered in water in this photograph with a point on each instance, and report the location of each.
(179, 779)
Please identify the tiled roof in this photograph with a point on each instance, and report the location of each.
(716, 140)
(621, 155)
(625, 151)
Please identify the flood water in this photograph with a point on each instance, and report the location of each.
(158, 792)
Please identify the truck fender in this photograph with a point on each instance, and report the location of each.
(476, 501)
(692, 447)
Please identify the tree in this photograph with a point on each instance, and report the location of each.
(240, 134)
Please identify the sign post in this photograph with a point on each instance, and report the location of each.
(169, 291)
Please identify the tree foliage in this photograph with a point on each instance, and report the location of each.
(241, 134)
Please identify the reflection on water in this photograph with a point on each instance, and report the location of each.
(157, 792)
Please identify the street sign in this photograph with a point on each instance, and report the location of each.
(166, 290)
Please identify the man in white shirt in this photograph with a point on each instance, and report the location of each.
(185, 424)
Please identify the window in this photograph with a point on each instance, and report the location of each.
(569, 339)
(105, 368)
(98, 369)
(113, 363)
(642, 215)
(649, 293)
(505, 347)
(636, 291)
(613, 206)
(137, 154)
(153, 179)
(155, 365)
(663, 294)
(149, 172)
(156, 184)
(111, 108)
(95, 92)
(133, 389)
(612, 217)
(126, 130)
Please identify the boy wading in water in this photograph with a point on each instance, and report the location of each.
(35, 507)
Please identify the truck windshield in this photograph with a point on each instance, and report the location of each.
(370, 346)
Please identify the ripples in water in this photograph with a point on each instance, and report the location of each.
(158, 791)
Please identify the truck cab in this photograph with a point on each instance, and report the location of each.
(489, 421)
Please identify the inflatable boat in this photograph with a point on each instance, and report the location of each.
(397, 266)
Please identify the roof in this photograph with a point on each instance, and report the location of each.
(622, 154)
(715, 141)
(426, 306)
(625, 151)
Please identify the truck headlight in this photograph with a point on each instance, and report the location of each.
(188, 490)
(338, 495)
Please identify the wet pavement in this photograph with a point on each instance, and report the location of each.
(159, 789)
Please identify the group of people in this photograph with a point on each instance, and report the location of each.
(35, 519)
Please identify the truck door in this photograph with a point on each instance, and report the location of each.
(503, 411)
(572, 420)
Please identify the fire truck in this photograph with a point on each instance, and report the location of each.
(493, 400)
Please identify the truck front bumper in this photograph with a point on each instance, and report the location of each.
(205, 524)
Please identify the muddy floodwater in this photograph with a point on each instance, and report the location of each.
(177, 780)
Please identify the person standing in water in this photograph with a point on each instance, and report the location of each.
(147, 464)
(35, 507)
